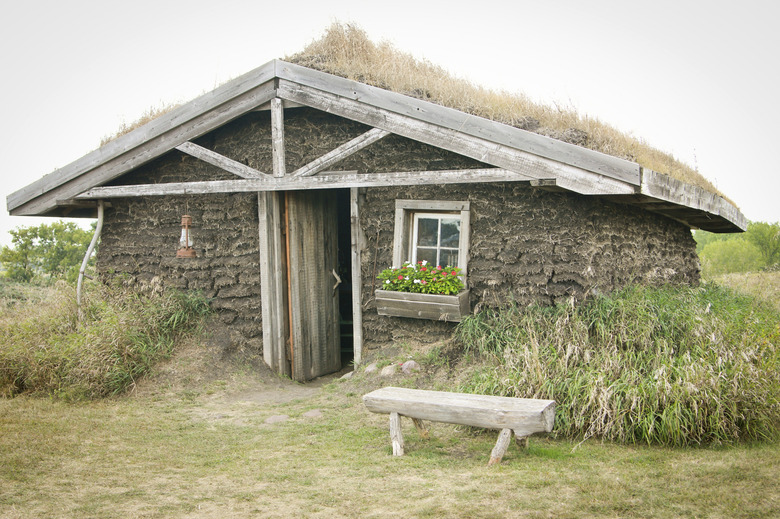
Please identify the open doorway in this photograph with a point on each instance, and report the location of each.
(346, 335)
(306, 281)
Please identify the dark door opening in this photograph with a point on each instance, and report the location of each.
(346, 336)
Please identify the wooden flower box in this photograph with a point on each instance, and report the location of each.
(423, 306)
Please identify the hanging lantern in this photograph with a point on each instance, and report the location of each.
(185, 242)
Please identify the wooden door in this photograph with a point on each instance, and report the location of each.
(312, 233)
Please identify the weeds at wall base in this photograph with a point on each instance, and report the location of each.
(672, 366)
(123, 334)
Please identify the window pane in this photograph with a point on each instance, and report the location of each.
(428, 232)
(425, 254)
(449, 257)
(450, 232)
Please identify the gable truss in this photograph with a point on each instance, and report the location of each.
(517, 155)
(309, 176)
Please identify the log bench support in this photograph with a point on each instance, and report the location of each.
(519, 416)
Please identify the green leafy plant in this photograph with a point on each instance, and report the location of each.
(422, 278)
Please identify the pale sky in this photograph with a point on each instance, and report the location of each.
(698, 79)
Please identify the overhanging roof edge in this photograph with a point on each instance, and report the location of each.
(153, 129)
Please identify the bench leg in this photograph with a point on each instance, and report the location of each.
(421, 428)
(396, 438)
(501, 446)
(521, 440)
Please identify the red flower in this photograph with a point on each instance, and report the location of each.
(438, 267)
(454, 273)
(443, 274)
(423, 268)
(400, 276)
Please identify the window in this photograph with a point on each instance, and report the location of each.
(434, 231)
(436, 238)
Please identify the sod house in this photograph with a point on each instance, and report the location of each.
(301, 187)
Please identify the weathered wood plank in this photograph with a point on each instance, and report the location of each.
(396, 435)
(492, 412)
(40, 197)
(663, 187)
(356, 247)
(501, 446)
(340, 153)
(159, 136)
(220, 161)
(570, 177)
(277, 137)
(433, 205)
(325, 180)
(273, 284)
(312, 232)
(449, 118)
(423, 306)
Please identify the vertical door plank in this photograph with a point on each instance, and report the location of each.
(313, 238)
(273, 282)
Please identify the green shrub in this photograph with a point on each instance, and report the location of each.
(46, 350)
(672, 365)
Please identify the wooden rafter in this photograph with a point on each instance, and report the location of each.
(528, 164)
(340, 153)
(220, 161)
(325, 180)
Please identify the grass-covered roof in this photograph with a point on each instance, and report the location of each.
(346, 50)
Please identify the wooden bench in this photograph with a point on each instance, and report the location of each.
(521, 416)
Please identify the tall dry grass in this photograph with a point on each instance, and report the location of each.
(46, 350)
(673, 365)
(346, 50)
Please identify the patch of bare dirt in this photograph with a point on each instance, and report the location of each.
(227, 386)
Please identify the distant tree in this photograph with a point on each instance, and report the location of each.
(732, 255)
(47, 251)
(704, 238)
(766, 237)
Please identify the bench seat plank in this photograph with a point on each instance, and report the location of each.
(523, 415)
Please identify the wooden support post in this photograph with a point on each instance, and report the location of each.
(521, 439)
(273, 282)
(277, 137)
(396, 437)
(421, 428)
(357, 278)
(501, 446)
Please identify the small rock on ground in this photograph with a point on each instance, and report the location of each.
(314, 413)
(277, 419)
(388, 371)
(371, 368)
(410, 366)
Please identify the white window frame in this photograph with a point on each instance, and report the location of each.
(405, 211)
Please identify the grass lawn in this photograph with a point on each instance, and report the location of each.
(179, 452)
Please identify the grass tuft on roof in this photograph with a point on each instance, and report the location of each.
(346, 50)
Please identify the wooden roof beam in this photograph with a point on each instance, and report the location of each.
(220, 161)
(502, 156)
(325, 180)
(341, 153)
